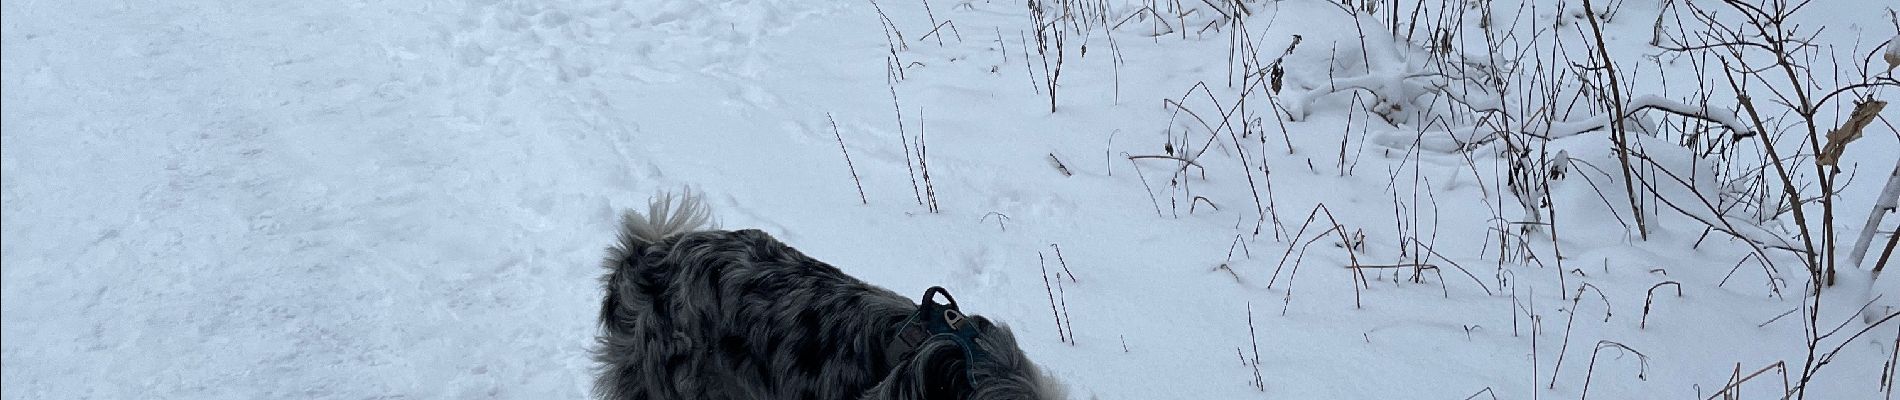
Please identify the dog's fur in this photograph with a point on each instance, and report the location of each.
(709, 314)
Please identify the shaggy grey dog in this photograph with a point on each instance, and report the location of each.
(708, 314)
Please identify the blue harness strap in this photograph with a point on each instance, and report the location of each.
(932, 321)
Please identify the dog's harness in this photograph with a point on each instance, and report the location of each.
(935, 320)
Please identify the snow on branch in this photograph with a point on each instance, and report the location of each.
(1465, 137)
(1723, 116)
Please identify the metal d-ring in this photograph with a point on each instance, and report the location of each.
(953, 318)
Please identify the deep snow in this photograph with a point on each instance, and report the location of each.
(217, 200)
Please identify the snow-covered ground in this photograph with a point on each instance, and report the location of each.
(240, 200)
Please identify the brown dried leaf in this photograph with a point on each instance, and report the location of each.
(1864, 113)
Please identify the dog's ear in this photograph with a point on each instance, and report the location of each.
(946, 374)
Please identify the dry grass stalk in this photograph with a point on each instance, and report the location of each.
(903, 139)
(1357, 274)
(1642, 364)
(1561, 349)
(1047, 289)
(1487, 390)
(1144, 184)
(1735, 384)
(1063, 296)
(1060, 167)
(847, 159)
(1891, 368)
(1652, 298)
(1000, 218)
(1064, 262)
(923, 164)
(1259, 381)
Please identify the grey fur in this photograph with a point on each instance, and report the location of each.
(665, 216)
(704, 314)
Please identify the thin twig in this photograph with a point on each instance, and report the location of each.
(847, 159)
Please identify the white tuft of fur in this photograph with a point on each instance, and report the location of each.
(1047, 387)
(667, 214)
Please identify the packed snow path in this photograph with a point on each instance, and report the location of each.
(215, 200)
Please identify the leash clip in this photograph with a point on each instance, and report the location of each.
(934, 320)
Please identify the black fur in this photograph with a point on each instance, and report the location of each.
(707, 314)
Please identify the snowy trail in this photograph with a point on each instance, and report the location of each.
(206, 200)
(311, 201)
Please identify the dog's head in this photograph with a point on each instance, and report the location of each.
(943, 368)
